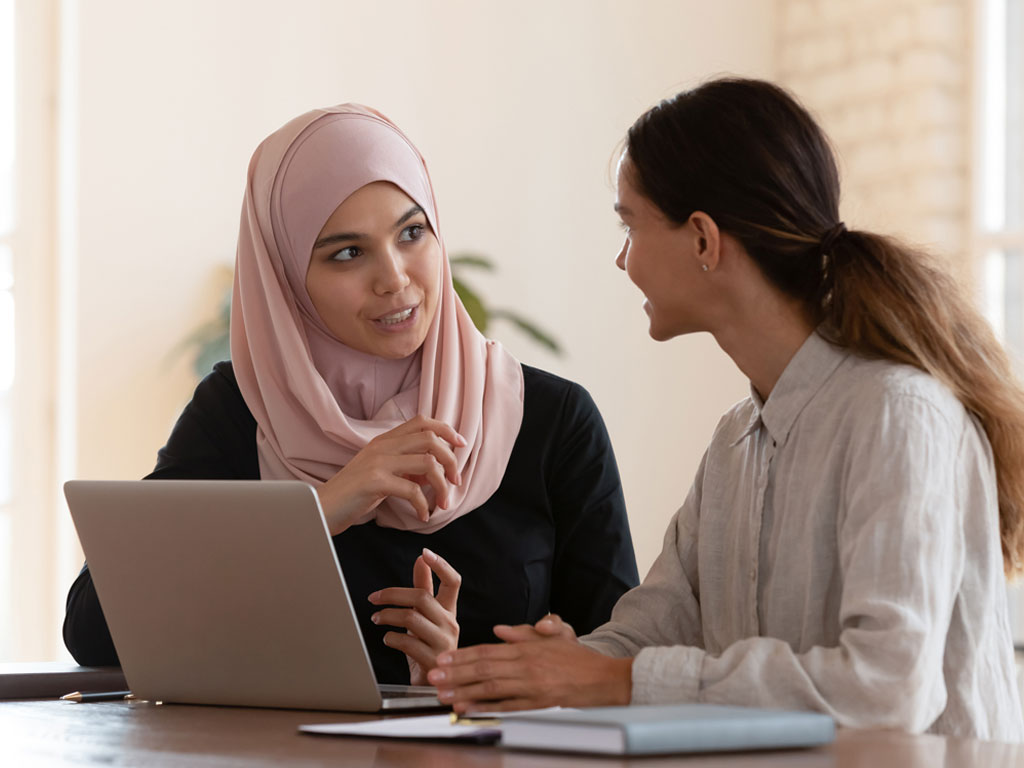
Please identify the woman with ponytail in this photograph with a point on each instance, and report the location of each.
(845, 543)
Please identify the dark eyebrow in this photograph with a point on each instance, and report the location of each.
(408, 215)
(338, 237)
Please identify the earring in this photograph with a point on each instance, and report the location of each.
(704, 267)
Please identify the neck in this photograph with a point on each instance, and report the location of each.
(762, 334)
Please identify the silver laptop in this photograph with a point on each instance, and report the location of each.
(228, 592)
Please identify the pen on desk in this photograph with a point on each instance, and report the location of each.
(456, 719)
(80, 697)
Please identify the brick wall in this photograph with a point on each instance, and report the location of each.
(889, 81)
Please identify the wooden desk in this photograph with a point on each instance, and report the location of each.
(138, 733)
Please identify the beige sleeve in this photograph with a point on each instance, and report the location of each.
(901, 558)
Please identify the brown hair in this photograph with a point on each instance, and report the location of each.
(755, 161)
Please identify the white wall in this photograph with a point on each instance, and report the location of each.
(517, 107)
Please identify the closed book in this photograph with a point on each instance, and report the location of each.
(645, 730)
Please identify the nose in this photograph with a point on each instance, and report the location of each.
(620, 260)
(391, 275)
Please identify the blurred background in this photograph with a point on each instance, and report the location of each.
(126, 128)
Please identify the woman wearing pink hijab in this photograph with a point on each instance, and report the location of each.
(356, 368)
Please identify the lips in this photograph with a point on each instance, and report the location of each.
(398, 317)
(395, 318)
(391, 314)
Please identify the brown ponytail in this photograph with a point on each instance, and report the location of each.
(747, 154)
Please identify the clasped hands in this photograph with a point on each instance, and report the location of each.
(537, 666)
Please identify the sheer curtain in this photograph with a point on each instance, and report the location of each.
(7, 316)
(999, 198)
(29, 529)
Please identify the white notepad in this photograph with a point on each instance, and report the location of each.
(426, 727)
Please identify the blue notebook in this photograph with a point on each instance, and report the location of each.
(646, 730)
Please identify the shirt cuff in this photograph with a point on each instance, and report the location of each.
(667, 675)
(606, 645)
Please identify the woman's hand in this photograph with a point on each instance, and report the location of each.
(551, 625)
(541, 666)
(429, 620)
(397, 463)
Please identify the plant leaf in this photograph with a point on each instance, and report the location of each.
(540, 336)
(473, 304)
(213, 351)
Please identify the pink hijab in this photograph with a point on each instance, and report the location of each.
(316, 401)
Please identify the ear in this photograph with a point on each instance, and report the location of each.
(708, 240)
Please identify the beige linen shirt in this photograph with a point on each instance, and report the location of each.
(839, 551)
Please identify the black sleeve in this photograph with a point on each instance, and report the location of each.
(215, 436)
(594, 562)
(213, 439)
(85, 628)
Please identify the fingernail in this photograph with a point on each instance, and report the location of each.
(374, 597)
(460, 440)
(387, 639)
(431, 556)
(458, 480)
(444, 658)
(436, 675)
(446, 695)
(375, 618)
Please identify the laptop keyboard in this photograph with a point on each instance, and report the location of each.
(406, 692)
(402, 695)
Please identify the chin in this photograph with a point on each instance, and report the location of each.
(399, 350)
(659, 334)
(394, 351)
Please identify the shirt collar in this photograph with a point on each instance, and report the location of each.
(801, 380)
